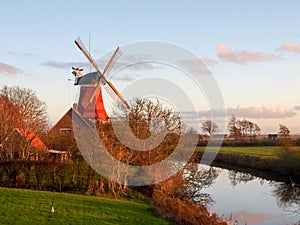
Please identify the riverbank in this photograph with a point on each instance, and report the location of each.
(269, 162)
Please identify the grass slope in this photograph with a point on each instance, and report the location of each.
(18, 206)
(260, 151)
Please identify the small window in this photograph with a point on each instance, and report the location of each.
(65, 131)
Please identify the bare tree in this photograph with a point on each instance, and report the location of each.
(32, 109)
(147, 120)
(209, 126)
(248, 128)
(234, 127)
(23, 117)
(256, 129)
(242, 128)
(284, 131)
(10, 117)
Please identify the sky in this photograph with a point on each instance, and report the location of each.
(251, 47)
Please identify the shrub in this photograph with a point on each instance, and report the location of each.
(289, 162)
(183, 211)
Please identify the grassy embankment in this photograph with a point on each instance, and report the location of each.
(284, 161)
(266, 152)
(18, 206)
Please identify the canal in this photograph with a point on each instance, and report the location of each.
(246, 199)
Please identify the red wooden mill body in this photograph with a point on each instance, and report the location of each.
(95, 109)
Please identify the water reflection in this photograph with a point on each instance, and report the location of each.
(236, 177)
(288, 197)
(246, 199)
(199, 179)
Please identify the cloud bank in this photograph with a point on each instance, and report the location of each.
(263, 112)
(250, 112)
(297, 108)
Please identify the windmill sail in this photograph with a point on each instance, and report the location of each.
(112, 61)
(101, 79)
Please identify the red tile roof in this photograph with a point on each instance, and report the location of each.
(34, 140)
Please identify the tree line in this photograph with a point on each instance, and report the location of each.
(241, 128)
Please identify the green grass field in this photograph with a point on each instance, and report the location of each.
(18, 206)
(260, 151)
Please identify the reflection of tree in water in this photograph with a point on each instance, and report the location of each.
(199, 178)
(236, 177)
(288, 197)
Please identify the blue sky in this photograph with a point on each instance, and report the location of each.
(253, 47)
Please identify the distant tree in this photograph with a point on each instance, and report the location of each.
(234, 127)
(248, 128)
(256, 129)
(209, 126)
(284, 131)
(242, 128)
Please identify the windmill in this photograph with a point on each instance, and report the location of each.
(90, 101)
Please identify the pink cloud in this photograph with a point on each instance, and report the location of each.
(242, 57)
(226, 53)
(290, 47)
(210, 61)
(6, 69)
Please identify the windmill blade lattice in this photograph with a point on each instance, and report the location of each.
(112, 61)
(112, 91)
